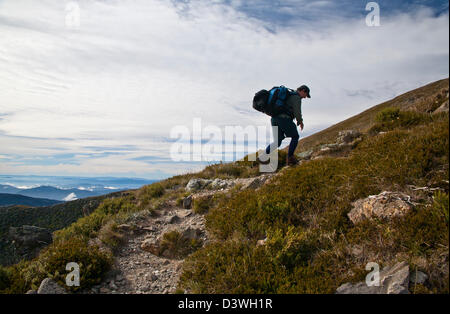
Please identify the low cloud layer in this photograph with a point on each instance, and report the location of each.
(102, 98)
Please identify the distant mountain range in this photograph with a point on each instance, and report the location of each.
(17, 199)
(55, 193)
(51, 217)
(61, 188)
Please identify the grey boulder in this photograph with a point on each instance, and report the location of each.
(384, 205)
(49, 286)
(392, 280)
(197, 184)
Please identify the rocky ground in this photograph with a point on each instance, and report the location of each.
(136, 270)
(140, 266)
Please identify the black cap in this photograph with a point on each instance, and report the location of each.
(306, 89)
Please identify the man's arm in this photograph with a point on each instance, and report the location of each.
(297, 106)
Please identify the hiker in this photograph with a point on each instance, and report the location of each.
(286, 127)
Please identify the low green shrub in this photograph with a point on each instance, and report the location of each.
(201, 205)
(237, 169)
(425, 229)
(152, 190)
(291, 248)
(230, 170)
(282, 155)
(14, 281)
(174, 244)
(387, 115)
(4, 279)
(179, 201)
(392, 118)
(231, 267)
(116, 205)
(440, 206)
(110, 235)
(93, 262)
(52, 261)
(238, 267)
(88, 226)
(148, 193)
(303, 213)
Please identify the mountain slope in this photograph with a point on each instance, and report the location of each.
(9, 189)
(310, 245)
(424, 99)
(52, 217)
(291, 233)
(17, 199)
(51, 192)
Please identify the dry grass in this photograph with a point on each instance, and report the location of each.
(422, 99)
(312, 246)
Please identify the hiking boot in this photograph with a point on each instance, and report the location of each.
(291, 161)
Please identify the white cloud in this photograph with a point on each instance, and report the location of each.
(135, 69)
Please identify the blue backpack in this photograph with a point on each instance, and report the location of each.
(273, 102)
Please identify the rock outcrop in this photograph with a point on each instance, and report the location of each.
(49, 286)
(187, 202)
(347, 136)
(392, 280)
(28, 240)
(305, 155)
(218, 184)
(384, 205)
(345, 141)
(418, 277)
(253, 183)
(197, 184)
(442, 108)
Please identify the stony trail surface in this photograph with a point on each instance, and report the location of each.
(137, 271)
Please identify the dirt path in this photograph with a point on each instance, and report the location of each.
(137, 271)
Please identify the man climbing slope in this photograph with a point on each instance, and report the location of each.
(286, 127)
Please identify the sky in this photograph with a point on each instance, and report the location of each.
(115, 87)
